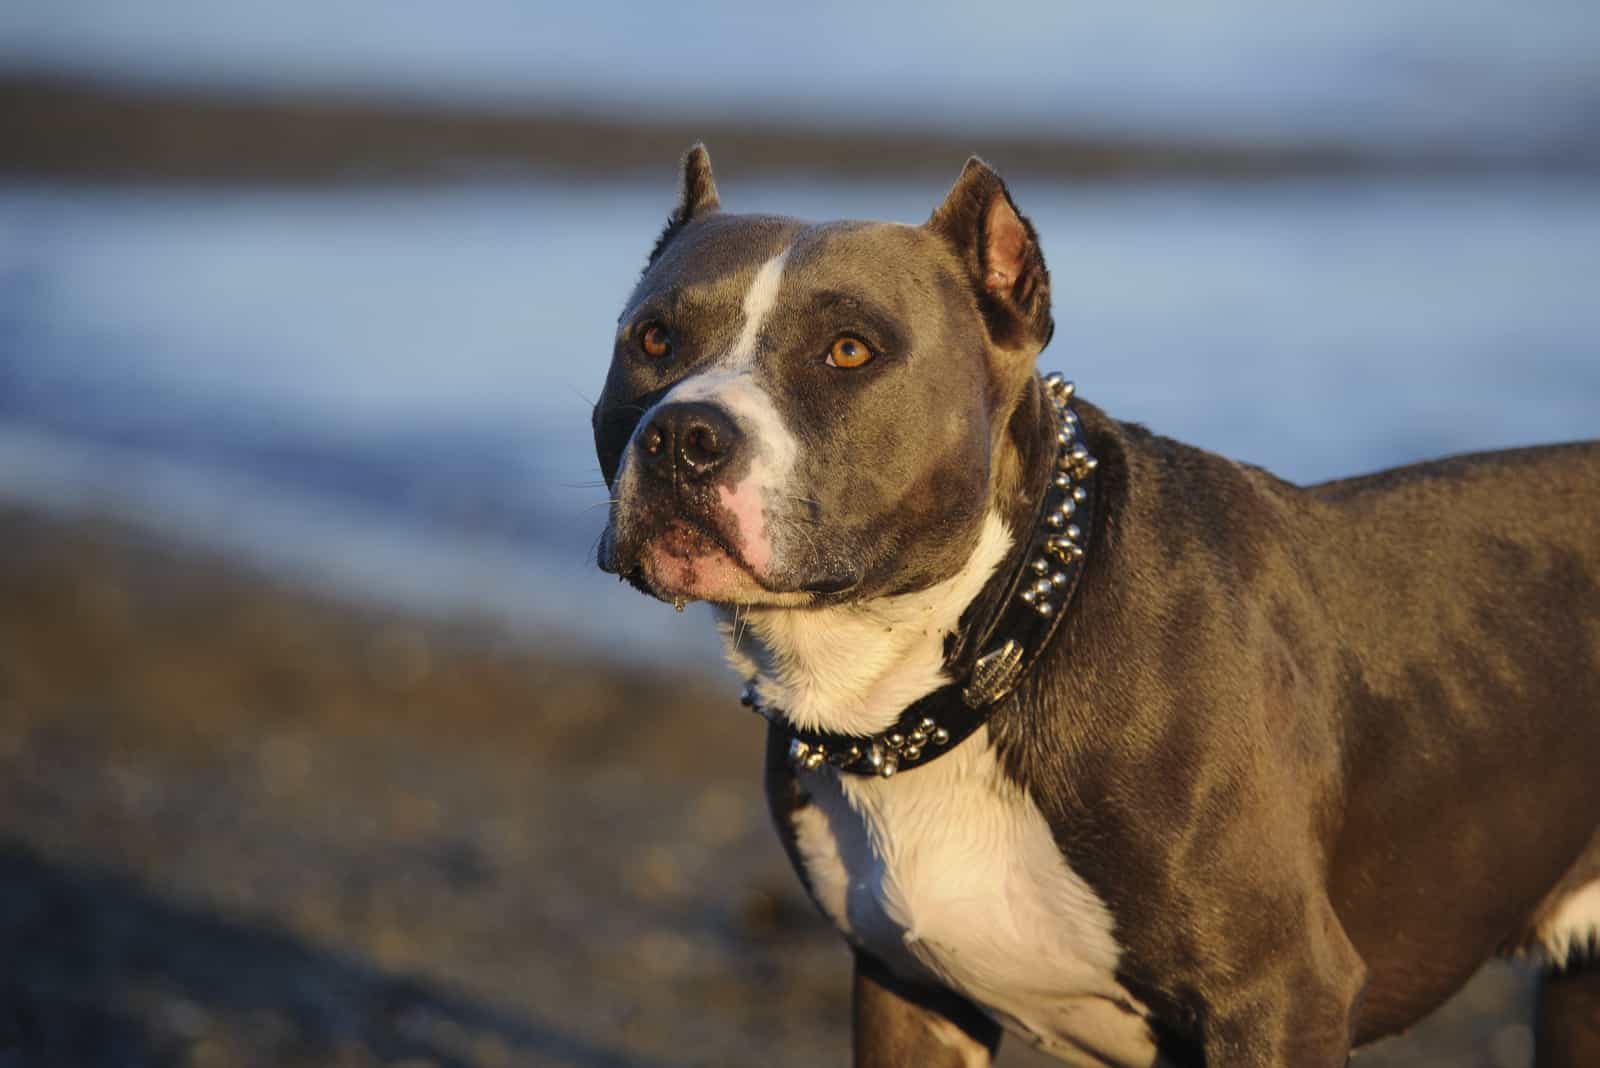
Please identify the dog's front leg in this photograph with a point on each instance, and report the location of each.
(898, 1025)
(1297, 1009)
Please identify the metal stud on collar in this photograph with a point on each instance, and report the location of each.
(1073, 464)
(882, 754)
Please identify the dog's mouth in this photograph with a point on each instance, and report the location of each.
(684, 561)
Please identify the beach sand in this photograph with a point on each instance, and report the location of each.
(242, 823)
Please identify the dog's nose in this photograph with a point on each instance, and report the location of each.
(693, 439)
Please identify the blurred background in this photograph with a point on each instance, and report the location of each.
(322, 741)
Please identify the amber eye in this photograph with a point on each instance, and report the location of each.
(655, 341)
(849, 352)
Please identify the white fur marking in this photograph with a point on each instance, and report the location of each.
(1573, 933)
(758, 302)
(752, 409)
(730, 383)
(949, 872)
(853, 668)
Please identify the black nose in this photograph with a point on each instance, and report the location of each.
(691, 439)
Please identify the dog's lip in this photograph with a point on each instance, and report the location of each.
(832, 588)
(680, 527)
(774, 595)
(694, 529)
(629, 566)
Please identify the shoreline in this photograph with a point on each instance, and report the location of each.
(60, 127)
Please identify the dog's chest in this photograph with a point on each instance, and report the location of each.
(950, 873)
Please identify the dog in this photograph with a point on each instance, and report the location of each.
(1078, 732)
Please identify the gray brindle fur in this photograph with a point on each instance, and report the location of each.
(1297, 761)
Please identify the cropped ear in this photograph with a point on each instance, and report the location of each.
(1001, 252)
(697, 196)
(697, 190)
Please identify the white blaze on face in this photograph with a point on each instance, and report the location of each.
(772, 453)
(729, 383)
(758, 302)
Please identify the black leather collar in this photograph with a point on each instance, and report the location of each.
(1036, 596)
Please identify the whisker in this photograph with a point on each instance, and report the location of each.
(804, 528)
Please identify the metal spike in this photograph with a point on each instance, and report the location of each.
(1055, 520)
(1028, 596)
(798, 751)
(891, 764)
(814, 761)
(1046, 609)
(896, 740)
(912, 752)
(927, 723)
(1079, 494)
(1063, 480)
(1059, 579)
(940, 736)
(1040, 565)
(917, 738)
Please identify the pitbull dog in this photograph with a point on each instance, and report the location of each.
(1135, 751)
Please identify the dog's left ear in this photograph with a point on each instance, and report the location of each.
(697, 196)
(1001, 252)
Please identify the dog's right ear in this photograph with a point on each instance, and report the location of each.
(697, 196)
(1000, 250)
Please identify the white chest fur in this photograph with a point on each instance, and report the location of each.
(950, 873)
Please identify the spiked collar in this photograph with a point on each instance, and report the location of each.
(1031, 606)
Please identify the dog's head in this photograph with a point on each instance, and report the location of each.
(801, 413)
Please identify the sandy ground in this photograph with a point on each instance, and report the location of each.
(241, 824)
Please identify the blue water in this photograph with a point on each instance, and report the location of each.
(388, 390)
(1495, 76)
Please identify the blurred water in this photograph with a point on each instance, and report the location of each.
(1497, 77)
(388, 389)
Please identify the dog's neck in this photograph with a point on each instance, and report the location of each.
(853, 669)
